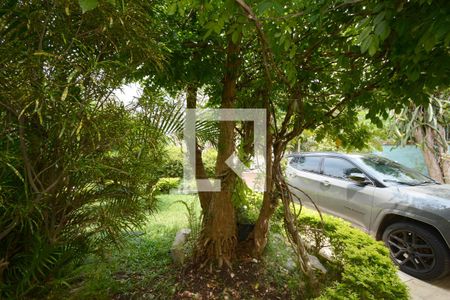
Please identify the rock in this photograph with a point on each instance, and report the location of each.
(327, 253)
(177, 251)
(316, 264)
(290, 264)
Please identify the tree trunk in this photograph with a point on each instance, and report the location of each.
(443, 154)
(257, 240)
(200, 172)
(217, 242)
(427, 137)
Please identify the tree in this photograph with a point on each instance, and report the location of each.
(425, 125)
(310, 64)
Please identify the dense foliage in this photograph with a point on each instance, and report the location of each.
(359, 267)
(366, 271)
(75, 165)
(165, 185)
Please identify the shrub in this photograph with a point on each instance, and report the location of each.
(366, 271)
(165, 184)
(209, 160)
(96, 192)
(247, 203)
(73, 161)
(172, 162)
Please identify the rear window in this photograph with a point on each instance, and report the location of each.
(306, 163)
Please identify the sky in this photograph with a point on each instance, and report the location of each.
(128, 93)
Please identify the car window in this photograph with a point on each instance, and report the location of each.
(338, 167)
(391, 172)
(293, 160)
(307, 163)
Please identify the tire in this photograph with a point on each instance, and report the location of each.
(417, 250)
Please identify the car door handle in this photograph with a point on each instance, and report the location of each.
(326, 183)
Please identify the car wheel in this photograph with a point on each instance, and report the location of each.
(417, 250)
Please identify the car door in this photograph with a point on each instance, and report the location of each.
(303, 178)
(340, 196)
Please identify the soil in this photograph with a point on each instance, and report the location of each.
(247, 280)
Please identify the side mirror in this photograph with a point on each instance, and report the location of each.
(359, 178)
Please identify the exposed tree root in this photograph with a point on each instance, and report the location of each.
(216, 251)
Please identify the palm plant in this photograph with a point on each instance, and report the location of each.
(425, 125)
(75, 165)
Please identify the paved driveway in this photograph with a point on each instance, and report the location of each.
(423, 290)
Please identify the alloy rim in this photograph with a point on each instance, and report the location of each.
(410, 251)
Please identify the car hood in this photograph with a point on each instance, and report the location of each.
(432, 198)
(441, 191)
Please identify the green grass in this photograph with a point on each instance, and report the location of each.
(171, 214)
(142, 267)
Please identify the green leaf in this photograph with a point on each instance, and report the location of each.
(64, 94)
(365, 44)
(87, 5)
(43, 53)
(235, 36)
(172, 9)
(287, 44)
(291, 72)
(181, 11)
(382, 30)
(15, 171)
(364, 34)
(374, 45)
(263, 6)
(278, 7)
(207, 34)
(447, 39)
(413, 73)
(429, 42)
(78, 130)
(292, 52)
(378, 7)
(379, 18)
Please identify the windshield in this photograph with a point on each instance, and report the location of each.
(391, 172)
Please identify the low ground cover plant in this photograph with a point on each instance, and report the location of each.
(363, 267)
